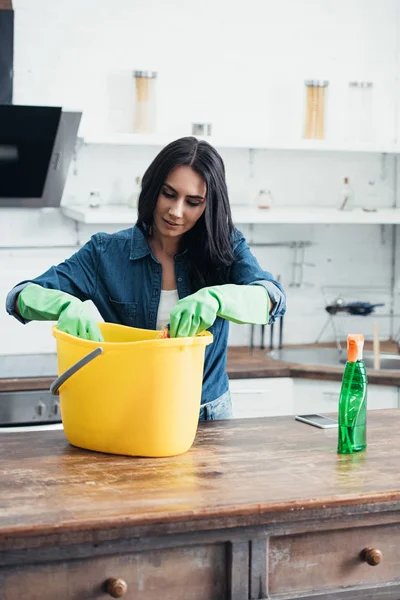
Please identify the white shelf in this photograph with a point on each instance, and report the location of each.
(311, 214)
(110, 215)
(113, 215)
(160, 140)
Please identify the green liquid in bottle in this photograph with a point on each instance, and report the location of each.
(353, 409)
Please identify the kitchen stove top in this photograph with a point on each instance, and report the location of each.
(28, 409)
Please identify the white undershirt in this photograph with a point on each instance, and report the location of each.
(168, 300)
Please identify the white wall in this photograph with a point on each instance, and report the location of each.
(240, 66)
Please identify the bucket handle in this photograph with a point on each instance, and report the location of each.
(55, 386)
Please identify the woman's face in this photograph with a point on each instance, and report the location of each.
(181, 202)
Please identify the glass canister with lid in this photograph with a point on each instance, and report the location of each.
(360, 114)
(314, 127)
(145, 102)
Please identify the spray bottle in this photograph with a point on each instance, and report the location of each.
(353, 399)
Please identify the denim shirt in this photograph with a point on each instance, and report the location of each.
(122, 277)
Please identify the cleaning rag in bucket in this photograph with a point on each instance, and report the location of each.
(164, 333)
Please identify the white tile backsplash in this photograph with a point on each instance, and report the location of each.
(242, 67)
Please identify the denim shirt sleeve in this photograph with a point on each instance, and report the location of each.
(77, 276)
(247, 271)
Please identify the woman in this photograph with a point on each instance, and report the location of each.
(183, 263)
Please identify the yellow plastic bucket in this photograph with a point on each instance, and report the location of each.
(131, 394)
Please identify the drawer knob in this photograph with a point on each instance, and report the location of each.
(372, 556)
(116, 587)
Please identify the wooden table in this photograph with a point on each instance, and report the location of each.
(258, 508)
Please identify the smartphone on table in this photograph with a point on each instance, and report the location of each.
(320, 421)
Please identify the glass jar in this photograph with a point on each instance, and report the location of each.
(95, 200)
(370, 201)
(203, 129)
(264, 199)
(314, 127)
(134, 197)
(359, 127)
(145, 102)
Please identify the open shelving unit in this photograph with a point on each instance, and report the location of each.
(246, 215)
(243, 214)
(256, 143)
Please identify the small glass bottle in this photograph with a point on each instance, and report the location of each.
(346, 196)
(352, 417)
(145, 101)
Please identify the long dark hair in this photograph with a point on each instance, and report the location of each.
(210, 242)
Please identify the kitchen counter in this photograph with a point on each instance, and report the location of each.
(243, 365)
(257, 508)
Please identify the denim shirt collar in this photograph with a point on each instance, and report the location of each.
(140, 246)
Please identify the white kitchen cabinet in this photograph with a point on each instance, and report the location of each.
(262, 397)
(312, 396)
(276, 396)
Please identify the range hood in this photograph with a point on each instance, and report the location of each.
(36, 147)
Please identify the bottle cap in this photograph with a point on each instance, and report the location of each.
(355, 344)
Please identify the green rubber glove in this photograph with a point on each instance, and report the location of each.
(37, 303)
(236, 303)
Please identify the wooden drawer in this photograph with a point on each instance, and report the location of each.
(331, 560)
(195, 573)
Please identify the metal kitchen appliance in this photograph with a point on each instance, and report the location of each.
(25, 398)
(352, 308)
(36, 147)
(342, 302)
